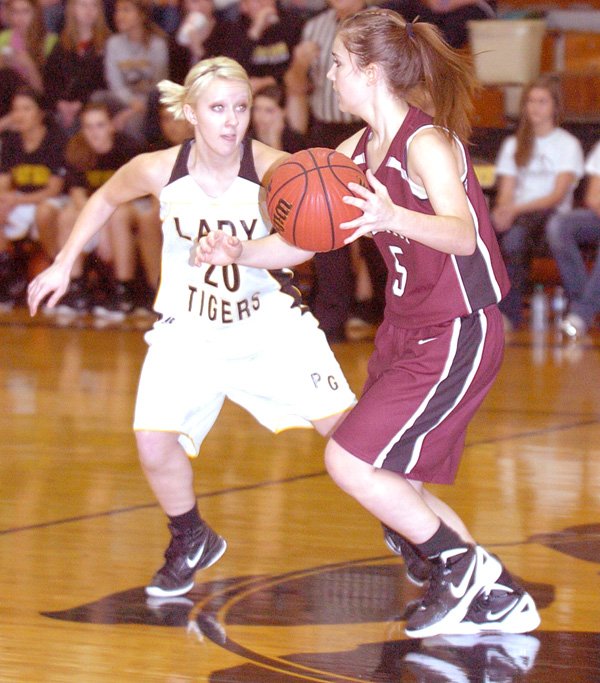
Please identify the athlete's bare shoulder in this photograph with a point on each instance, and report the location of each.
(155, 167)
(431, 152)
(266, 159)
(348, 146)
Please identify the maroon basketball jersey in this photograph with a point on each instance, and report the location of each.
(426, 286)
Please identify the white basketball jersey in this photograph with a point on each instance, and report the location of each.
(215, 295)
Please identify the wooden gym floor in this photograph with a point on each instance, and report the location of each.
(307, 590)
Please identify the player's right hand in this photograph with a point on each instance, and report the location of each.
(218, 249)
(52, 281)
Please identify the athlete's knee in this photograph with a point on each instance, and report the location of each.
(347, 471)
(155, 448)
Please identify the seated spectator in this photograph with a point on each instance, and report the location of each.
(75, 67)
(196, 31)
(305, 8)
(31, 171)
(566, 233)
(136, 58)
(450, 16)
(270, 123)
(312, 104)
(169, 132)
(538, 170)
(25, 45)
(266, 34)
(167, 15)
(54, 15)
(93, 155)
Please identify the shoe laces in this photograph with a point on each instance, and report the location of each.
(441, 568)
(486, 597)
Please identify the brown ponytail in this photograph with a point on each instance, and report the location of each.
(419, 65)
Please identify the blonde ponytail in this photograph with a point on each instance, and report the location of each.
(172, 95)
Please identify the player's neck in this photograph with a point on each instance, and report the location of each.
(212, 172)
(384, 126)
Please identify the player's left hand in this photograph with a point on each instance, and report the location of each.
(218, 249)
(379, 211)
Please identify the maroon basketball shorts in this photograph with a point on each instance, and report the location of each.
(423, 387)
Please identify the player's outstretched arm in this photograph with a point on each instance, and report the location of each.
(270, 252)
(141, 176)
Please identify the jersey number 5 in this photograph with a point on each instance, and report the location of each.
(401, 273)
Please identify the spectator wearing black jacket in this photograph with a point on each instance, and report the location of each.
(75, 67)
(262, 40)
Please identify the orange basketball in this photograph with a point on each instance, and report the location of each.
(304, 198)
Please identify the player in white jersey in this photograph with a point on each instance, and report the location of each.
(223, 331)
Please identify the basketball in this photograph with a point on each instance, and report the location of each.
(305, 198)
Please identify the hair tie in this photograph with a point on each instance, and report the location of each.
(410, 31)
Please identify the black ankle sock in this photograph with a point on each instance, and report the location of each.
(188, 520)
(443, 539)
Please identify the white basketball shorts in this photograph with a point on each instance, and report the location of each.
(279, 367)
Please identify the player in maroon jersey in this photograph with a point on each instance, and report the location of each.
(441, 343)
(440, 346)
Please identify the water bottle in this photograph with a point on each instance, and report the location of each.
(539, 309)
(558, 306)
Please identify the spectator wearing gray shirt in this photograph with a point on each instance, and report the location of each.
(136, 59)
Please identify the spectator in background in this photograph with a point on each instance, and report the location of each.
(313, 106)
(168, 131)
(136, 58)
(566, 233)
(196, 31)
(450, 16)
(31, 171)
(54, 15)
(75, 67)
(25, 45)
(305, 8)
(538, 169)
(4, 22)
(270, 123)
(93, 155)
(262, 40)
(167, 15)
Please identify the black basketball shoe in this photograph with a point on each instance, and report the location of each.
(187, 553)
(418, 568)
(501, 609)
(458, 575)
